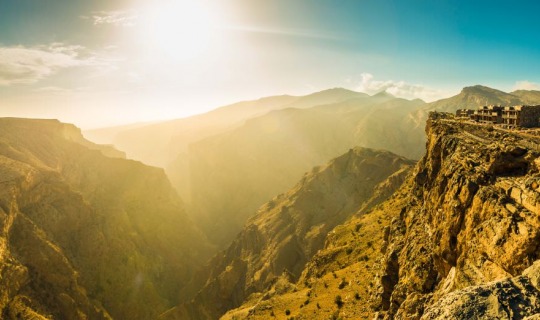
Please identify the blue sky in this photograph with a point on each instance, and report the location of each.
(99, 63)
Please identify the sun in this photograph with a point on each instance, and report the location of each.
(178, 30)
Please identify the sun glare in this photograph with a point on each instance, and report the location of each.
(179, 30)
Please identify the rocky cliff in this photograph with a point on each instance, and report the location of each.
(287, 231)
(471, 219)
(84, 235)
(460, 239)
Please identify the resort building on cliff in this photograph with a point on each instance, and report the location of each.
(509, 117)
(464, 113)
(488, 114)
(521, 116)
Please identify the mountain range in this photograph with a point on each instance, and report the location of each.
(260, 148)
(295, 207)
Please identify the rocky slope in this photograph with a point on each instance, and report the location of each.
(460, 239)
(472, 218)
(287, 231)
(83, 235)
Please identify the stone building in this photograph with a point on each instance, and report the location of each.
(521, 116)
(464, 113)
(488, 114)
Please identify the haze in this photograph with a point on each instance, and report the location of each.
(101, 63)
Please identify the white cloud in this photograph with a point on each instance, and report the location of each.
(526, 85)
(27, 65)
(116, 18)
(400, 89)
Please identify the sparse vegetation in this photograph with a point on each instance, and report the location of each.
(343, 283)
(338, 301)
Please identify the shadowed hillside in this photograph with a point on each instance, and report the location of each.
(85, 236)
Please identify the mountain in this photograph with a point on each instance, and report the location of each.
(165, 144)
(288, 230)
(260, 148)
(531, 97)
(473, 97)
(234, 173)
(329, 96)
(108, 134)
(458, 240)
(84, 235)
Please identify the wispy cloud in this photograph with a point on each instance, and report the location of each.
(285, 32)
(53, 90)
(26, 65)
(400, 89)
(116, 18)
(526, 85)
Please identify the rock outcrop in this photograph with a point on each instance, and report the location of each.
(469, 220)
(511, 298)
(83, 235)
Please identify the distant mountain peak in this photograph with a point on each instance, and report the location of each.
(383, 94)
(337, 90)
(480, 89)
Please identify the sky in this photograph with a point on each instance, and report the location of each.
(108, 62)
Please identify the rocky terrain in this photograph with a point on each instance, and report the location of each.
(460, 239)
(287, 231)
(84, 235)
